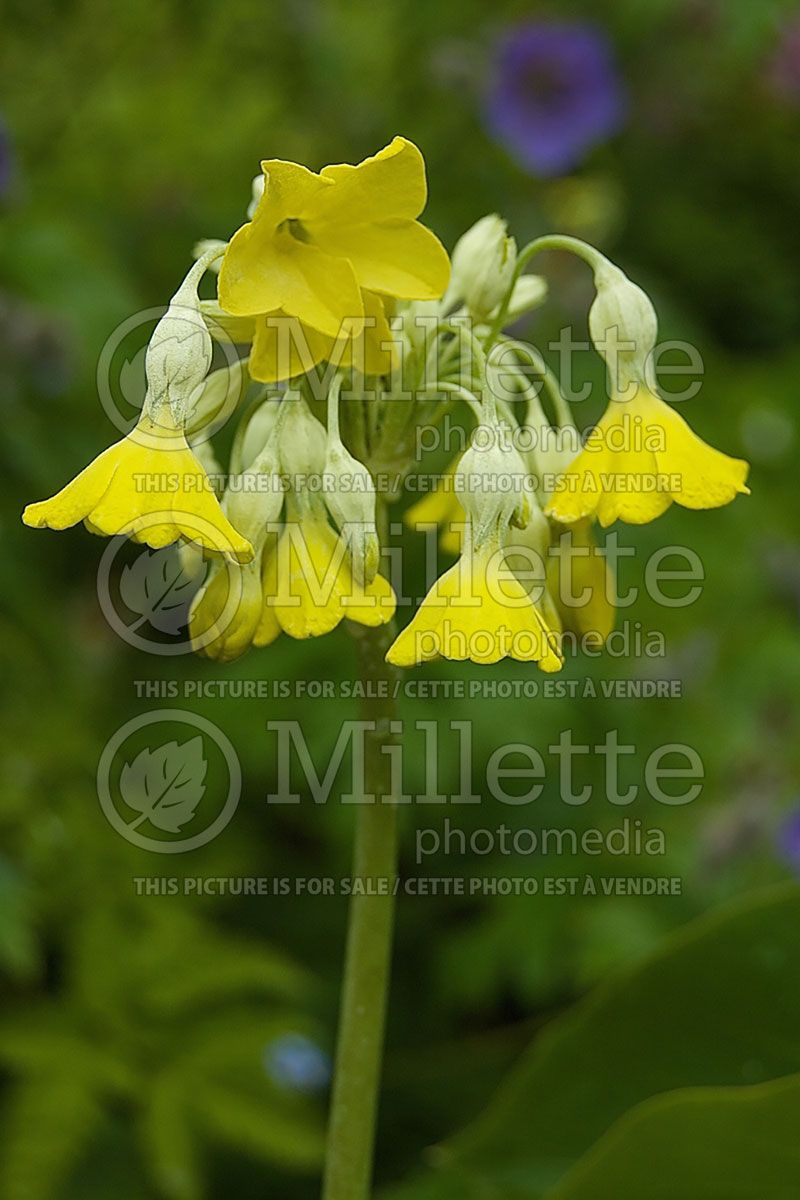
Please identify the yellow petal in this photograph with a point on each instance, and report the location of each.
(295, 276)
(78, 498)
(225, 613)
(150, 487)
(399, 257)
(476, 612)
(311, 579)
(709, 478)
(283, 348)
(582, 583)
(372, 605)
(390, 183)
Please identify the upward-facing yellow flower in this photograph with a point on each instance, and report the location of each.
(640, 458)
(315, 241)
(148, 486)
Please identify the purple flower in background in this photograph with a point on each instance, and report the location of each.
(789, 840)
(555, 94)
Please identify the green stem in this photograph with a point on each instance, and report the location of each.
(550, 241)
(359, 1053)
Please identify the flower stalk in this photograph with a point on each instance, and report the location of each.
(365, 989)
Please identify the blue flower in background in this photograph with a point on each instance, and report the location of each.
(555, 94)
(293, 1061)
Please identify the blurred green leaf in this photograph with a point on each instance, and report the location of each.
(51, 1119)
(687, 1017)
(704, 1144)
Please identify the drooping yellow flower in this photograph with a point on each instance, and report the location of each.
(478, 610)
(226, 611)
(640, 458)
(315, 241)
(581, 583)
(148, 486)
(441, 507)
(309, 586)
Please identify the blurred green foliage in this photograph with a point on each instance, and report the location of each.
(135, 1026)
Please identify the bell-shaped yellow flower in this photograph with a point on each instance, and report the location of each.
(309, 586)
(148, 486)
(284, 346)
(478, 610)
(315, 241)
(226, 612)
(640, 458)
(581, 583)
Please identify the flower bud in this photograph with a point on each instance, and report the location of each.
(622, 321)
(529, 292)
(492, 475)
(351, 502)
(303, 441)
(256, 433)
(484, 260)
(179, 354)
(254, 497)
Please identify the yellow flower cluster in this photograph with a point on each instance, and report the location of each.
(313, 276)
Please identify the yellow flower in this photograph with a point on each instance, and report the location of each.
(478, 610)
(226, 612)
(641, 457)
(148, 486)
(284, 346)
(315, 241)
(309, 586)
(441, 507)
(582, 583)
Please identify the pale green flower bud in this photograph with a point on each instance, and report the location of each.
(178, 357)
(210, 245)
(350, 499)
(254, 498)
(257, 432)
(529, 292)
(493, 477)
(483, 266)
(622, 322)
(303, 441)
